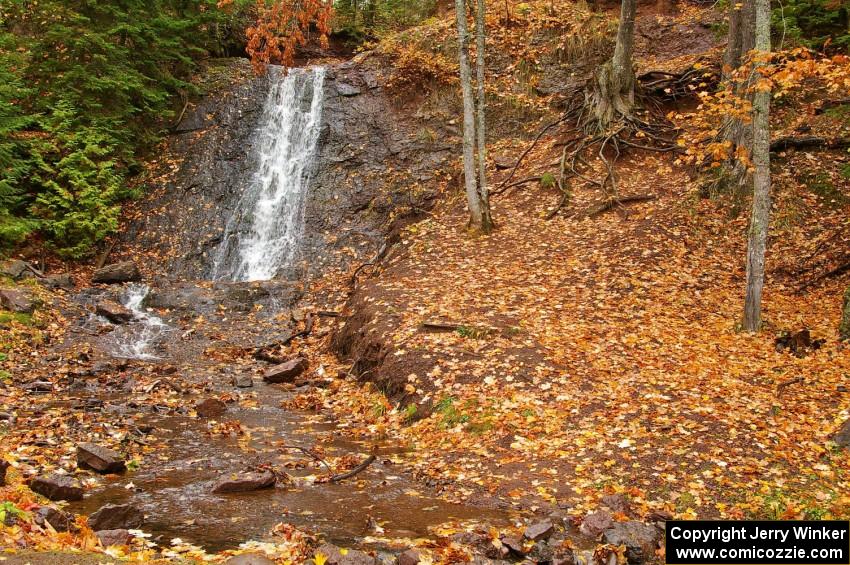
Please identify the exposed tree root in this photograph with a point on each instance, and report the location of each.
(611, 203)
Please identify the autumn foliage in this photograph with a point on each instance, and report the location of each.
(284, 25)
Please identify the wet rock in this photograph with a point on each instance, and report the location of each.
(482, 543)
(243, 381)
(99, 458)
(4, 466)
(286, 372)
(540, 530)
(114, 312)
(541, 552)
(347, 90)
(245, 482)
(57, 487)
(842, 436)
(16, 301)
(126, 271)
(409, 557)
(352, 557)
(210, 408)
(641, 540)
(118, 536)
(514, 544)
(564, 557)
(116, 517)
(249, 559)
(616, 503)
(58, 520)
(596, 523)
(58, 281)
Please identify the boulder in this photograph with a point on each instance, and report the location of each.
(249, 559)
(842, 436)
(595, 523)
(245, 482)
(99, 458)
(57, 487)
(286, 372)
(352, 556)
(409, 557)
(16, 301)
(539, 531)
(514, 545)
(58, 520)
(119, 536)
(126, 271)
(114, 312)
(210, 408)
(116, 517)
(15, 269)
(641, 540)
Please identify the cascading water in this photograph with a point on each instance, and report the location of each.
(137, 339)
(263, 234)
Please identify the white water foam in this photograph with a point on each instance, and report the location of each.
(264, 232)
(138, 339)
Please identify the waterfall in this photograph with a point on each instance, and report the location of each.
(136, 339)
(263, 233)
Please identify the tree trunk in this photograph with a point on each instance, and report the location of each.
(469, 176)
(760, 220)
(732, 55)
(613, 92)
(483, 192)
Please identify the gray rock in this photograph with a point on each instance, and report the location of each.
(346, 89)
(596, 523)
(409, 557)
(39, 386)
(842, 436)
(514, 544)
(243, 381)
(57, 487)
(58, 520)
(116, 517)
(249, 559)
(641, 540)
(114, 537)
(100, 459)
(540, 530)
(114, 312)
(126, 271)
(245, 482)
(352, 557)
(210, 408)
(541, 552)
(16, 301)
(286, 372)
(15, 269)
(58, 281)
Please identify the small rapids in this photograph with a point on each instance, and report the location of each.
(139, 338)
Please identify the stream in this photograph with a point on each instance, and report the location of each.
(242, 303)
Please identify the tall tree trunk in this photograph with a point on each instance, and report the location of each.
(481, 129)
(732, 55)
(613, 92)
(760, 220)
(742, 29)
(469, 176)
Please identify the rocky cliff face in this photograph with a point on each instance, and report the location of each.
(374, 165)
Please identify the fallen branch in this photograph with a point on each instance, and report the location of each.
(262, 353)
(309, 453)
(530, 147)
(610, 203)
(829, 104)
(839, 270)
(375, 260)
(347, 475)
(783, 385)
(502, 189)
(809, 141)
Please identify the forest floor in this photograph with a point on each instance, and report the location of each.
(581, 356)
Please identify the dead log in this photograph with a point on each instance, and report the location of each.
(610, 203)
(809, 141)
(829, 104)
